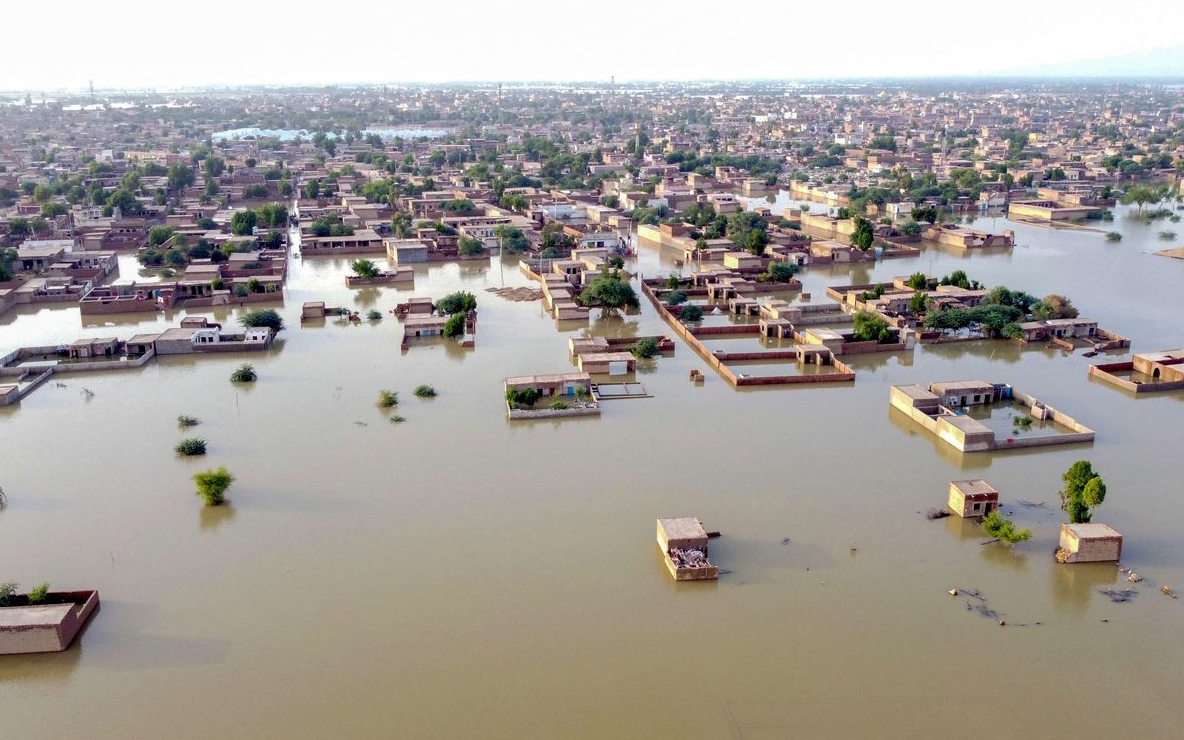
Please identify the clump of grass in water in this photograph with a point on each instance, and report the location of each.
(387, 398)
(244, 374)
(187, 421)
(425, 391)
(191, 446)
(37, 595)
(396, 419)
(374, 315)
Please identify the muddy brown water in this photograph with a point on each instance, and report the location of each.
(461, 576)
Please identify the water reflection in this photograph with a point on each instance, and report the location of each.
(1075, 586)
(213, 517)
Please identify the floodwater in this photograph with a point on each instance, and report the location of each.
(459, 576)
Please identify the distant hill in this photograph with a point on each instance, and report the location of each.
(1163, 62)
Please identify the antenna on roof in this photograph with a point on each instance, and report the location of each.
(92, 87)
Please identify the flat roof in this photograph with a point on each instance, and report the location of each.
(974, 487)
(916, 392)
(682, 528)
(47, 615)
(962, 385)
(1092, 531)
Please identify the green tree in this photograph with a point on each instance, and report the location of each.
(180, 176)
(401, 225)
(242, 223)
(870, 326)
(863, 236)
(469, 247)
(458, 302)
(646, 348)
(918, 281)
(212, 485)
(675, 298)
(779, 272)
(1083, 492)
(365, 268)
(689, 313)
(919, 303)
(262, 317)
(158, 235)
(610, 292)
(455, 326)
(927, 213)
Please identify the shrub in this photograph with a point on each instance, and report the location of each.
(374, 315)
(557, 405)
(525, 397)
(212, 485)
(387, 398)
(244, 374)
(646, 348)
(38, 594)
(217, 284)
(241, 291)
(7, 591)
(191, 446)
(187, 421)
(469, 246)
(425, 391)
(675, 298)
(673, 280)
(690, 312)
(1002, 528)
(1113, 236)
(455, 326)
(396, 419)
(262, 317)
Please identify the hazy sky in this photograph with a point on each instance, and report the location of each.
(142, 43)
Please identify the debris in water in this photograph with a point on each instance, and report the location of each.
(1134, 577)
(1120, 596)
(1033, 504)
(937, 513)
(516, 294)
(1169, 592)
(87, 393)
(361, 424)
(785, 540)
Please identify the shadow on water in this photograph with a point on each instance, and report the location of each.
(1075, 586)
(213, 517)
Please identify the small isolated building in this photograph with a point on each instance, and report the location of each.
(1089, 543)
(972, 498)
(10, 393)
(47, 627)
(683, 541)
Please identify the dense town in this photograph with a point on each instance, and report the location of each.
(759, 237)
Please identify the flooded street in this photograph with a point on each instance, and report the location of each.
(461, 576)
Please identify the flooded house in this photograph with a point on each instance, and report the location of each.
(48, 626)
(1143, 373)
(972, 498)
(1089, 543)
(683, 542)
